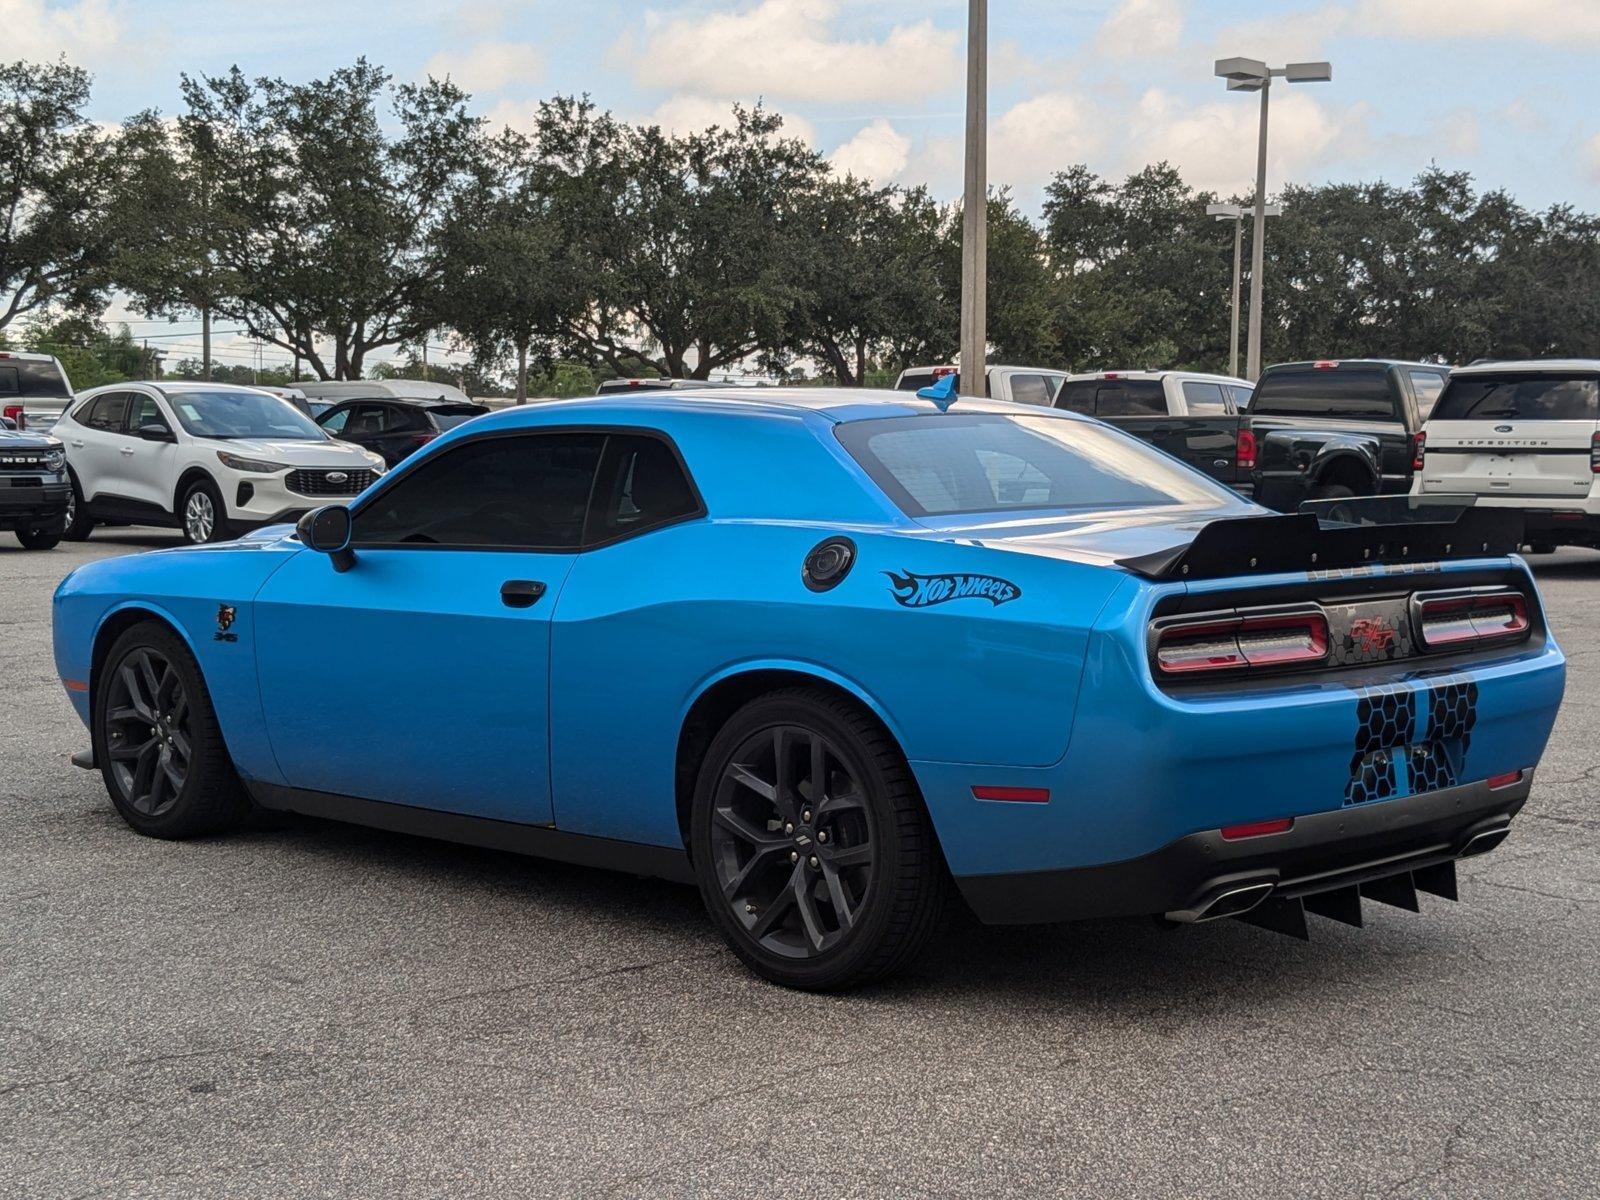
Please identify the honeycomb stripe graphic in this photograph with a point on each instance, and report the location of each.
(1395, 755)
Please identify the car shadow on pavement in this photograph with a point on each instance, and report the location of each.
(1117, 965)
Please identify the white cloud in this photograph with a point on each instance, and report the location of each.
(1558, 22)
(790, 50)
(1591, 157)
(88, 31)
(488, 66)
(1286, 37)
(1140, 28)
(1043, 134)
(877, 153)
(687, 113)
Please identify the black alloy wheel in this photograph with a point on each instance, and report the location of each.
(148, 745)
(157, 741)
(792, 841)
(813, 851)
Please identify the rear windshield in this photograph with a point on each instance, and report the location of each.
(1520, 397)
(947, 464)
(913, 380)
(455, 414)
(1114, 397)
(21, 378)
(1347, 392)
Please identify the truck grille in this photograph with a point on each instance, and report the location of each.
(23, 460)
(329, 482)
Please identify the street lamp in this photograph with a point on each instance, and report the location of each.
(975, 206)
(1235, 213)
(1253, 75)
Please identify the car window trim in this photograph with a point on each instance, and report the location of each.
(584, 545)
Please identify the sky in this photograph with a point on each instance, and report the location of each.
(1504, 89)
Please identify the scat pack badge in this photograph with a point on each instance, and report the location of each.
(924, 591)
(225, 616)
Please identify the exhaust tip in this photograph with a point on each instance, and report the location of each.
(1485, 840)
(1229, 901)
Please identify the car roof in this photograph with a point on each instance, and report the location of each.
(28, 355)
(1206, 376)
(403, 401)
(1363, 362)
(834, 404)
(1532, 365)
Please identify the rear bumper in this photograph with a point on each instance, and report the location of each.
(34, 507)
(1322, 852)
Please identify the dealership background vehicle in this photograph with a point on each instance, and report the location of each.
(332, 391)
(1525, 436)
(1022, 385)
(34, 389)
(209, 458)
(651, 383)
(1337, 427)
(34, 492)
(396, 427)
(822, 651)
(1188, 414)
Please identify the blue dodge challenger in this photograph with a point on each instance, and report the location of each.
(828, 653)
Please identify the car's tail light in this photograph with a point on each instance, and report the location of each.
(13, 412)
(1419, 447)
(1232, 833)
(1454, 620)
(1244, 450)
(1325, 364)
(422, 439)
(1506, 780)
(1241, 642)
(1594, 453)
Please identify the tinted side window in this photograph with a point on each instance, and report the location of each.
(529, 491)
(1427, 385)
(1077, 395)
(641, 486)
(1241, 395)
(1520, 398)
(1204, 397)
(1130, 398)
(107, 412)
(146, 412)
(1342, 392)
(336, 422)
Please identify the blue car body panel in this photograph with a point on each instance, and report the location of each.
(406, 681)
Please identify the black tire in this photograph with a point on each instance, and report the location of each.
(178, 781)
(850, 893)
(79, 523)
(201, 514)
(39, 539)
(1331, 491)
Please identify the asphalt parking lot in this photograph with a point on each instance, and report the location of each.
(310, 1009)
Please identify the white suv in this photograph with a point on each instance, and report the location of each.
(209, 458)
(1522, 435)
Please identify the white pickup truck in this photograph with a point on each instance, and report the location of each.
(34, 390)
(1025, 385)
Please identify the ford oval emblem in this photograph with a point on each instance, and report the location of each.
(338, 477)
(1502, 429)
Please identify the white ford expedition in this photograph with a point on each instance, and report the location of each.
(1522, 435)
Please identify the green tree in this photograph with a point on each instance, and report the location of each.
(55, 242)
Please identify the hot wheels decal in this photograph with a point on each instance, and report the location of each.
(924, 591)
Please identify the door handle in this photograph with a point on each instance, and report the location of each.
(521, 593)
(128, 451)
(77, 445)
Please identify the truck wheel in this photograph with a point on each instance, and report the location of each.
(204, 518)
(1331, 491)
(39, 539)
(811, 846)
(79, 523)
(157, 740)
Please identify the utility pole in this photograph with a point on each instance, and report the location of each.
(975, 207)
(205, 342)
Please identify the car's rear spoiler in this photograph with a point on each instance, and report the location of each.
(1339, 535)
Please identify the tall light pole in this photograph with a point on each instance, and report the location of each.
(1253, 75)
(975, 206)
(1235, 213)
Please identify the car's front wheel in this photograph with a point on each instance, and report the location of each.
(39, 539)
(79, 523)
(813, 851)
(157, 741)
(204, 519)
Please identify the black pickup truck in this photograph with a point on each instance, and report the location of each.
(1339, 427)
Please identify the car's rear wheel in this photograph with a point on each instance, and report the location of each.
(204, 518)
(157, 740)
(39, 539)
(79, 523)
(1331, 491)
(813, 851)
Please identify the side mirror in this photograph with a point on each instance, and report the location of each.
(327, 530)
(156, 432)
